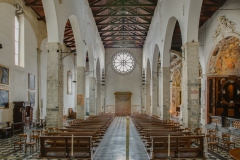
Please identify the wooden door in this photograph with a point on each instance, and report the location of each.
(123, 103)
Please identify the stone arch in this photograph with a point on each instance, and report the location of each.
(33, 22)
(81, 57)
(89, 34)
(167, 42)
(191, 30)
(51, 21)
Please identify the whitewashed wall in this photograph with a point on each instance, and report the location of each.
(68, 99)
(123, 83)
(18, 75)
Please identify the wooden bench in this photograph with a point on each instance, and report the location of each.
(5, 129)
(180, 147)
(60, 147)
(93, 127)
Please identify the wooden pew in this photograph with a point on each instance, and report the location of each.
(180, 147)
(94, 127)
(60, 147)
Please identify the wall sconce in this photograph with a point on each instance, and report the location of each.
(0, 46)
(223, 91)
(238, 92)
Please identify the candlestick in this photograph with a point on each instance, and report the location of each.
(168, 146)
(72, 145)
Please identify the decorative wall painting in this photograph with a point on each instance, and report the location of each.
(31, 81)
(4, 98)
(4, 75)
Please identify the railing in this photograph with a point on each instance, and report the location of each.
(216, 120)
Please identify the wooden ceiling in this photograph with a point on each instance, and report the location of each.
(125, 23)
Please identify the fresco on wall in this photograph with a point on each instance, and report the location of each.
(225, 57)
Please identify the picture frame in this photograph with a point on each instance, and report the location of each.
(4, 98)
(31, 81)
(4, 75)
(31, 97)
(69, 82)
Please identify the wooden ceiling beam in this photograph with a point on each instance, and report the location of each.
(124, 36)
(126, 31)
(125, 15)
(108, 24)
(123, 5)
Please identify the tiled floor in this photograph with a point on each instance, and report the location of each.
(112, 147)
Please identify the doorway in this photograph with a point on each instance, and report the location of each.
(123, 103)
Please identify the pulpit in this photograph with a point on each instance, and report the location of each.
(23, 112)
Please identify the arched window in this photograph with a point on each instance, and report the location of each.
(17, 37)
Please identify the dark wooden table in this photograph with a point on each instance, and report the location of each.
(235, 153)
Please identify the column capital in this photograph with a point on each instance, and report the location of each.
(39, 51)
(54, 46)
(19, 10)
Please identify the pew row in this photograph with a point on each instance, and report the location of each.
(61, 147)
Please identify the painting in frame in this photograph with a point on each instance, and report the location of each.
(31, 97)
(4, 98)
(4, 75)
(31, 81)
(69, 82)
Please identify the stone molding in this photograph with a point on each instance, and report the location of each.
(225, 29)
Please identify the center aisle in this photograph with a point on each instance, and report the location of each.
(113, 146)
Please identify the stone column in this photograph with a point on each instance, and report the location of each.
(155, 95)
(203, 99)
(39, 51)
(165, 93)
(143, 99)
(92, 99)
(54, 86)
(80, 93)
(191, 109)
(148, 99)
(99, 98)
